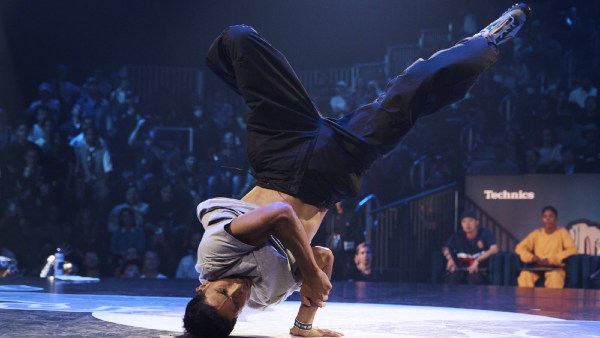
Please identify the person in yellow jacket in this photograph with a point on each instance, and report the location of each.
(546, 249)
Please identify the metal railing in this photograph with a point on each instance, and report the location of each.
(409, 230)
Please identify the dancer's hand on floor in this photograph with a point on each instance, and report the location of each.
(314, 332)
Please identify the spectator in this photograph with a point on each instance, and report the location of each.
(52, 106)
(582, 92)
(130, 269)
(92, 171)
(467, 251)
(548, 148)
(150, 266)
(73, 126)
(362, 270)
(149, 155)
(93, 104)
(91, 265)
(133, 202)
(546, 248)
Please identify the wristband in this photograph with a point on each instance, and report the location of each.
(302, 326)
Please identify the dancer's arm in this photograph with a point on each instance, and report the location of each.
(280, 220)
(306, 314)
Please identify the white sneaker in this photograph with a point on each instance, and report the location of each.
(507, 25)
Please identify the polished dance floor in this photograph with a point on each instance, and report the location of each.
(35, 307)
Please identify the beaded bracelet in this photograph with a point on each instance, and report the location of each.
(302, 326)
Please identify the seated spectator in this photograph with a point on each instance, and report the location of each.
(467, 251)
(362, 270)
(91, 265)
(150, 266)
(548, 148)
(187, 264)
(130, 269)
(545, 249)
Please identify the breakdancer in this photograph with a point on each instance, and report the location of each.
(256, 251)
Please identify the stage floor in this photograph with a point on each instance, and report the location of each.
(35, 307)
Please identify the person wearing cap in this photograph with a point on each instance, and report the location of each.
(467, 251)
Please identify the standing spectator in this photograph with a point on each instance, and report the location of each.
(93, 104)
(546, 248)
(92, 171)
(46, 101)
(467, 251)
(149, 155)
(73, 126)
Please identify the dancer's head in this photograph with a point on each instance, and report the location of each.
(213, 312)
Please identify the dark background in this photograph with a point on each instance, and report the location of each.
(37, 35)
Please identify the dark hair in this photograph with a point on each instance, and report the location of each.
(203, 320)
(551, 208)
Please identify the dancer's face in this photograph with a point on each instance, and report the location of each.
(228, 296)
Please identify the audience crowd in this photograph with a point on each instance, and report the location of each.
(84, 169)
